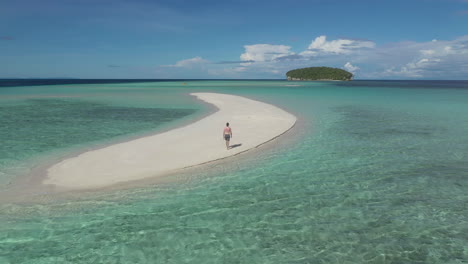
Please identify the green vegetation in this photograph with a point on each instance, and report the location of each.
(319, 73)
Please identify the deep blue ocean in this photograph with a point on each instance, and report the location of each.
(373, 172)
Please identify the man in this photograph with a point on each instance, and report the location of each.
(227, 134)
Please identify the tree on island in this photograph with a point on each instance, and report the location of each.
(319, 74)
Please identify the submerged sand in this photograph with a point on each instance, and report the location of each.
(253, 123)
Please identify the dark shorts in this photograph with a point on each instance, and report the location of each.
(227, 137)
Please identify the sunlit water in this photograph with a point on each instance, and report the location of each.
(374, 172)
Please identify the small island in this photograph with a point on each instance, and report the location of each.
(319, 74)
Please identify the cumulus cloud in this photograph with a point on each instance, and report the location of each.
(351, 68)
(339, 46)
(413, 69)
(428, 52)
(432, 59)
(277, 59)
(265, 52)
(443, 59)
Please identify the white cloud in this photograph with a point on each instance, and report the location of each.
(264, 52)
(340, 46)
(351, 68)
(428, 52)
(439, 59)
(413, 69)
(189, 63)
(434, 59)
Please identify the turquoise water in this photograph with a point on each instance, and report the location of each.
(54, 120)
(374, 172)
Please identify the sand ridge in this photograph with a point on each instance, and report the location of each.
(253, 123)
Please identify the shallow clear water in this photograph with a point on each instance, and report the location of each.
(376, 172)
(54, 120)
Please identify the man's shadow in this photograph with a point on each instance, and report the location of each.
(235, 146)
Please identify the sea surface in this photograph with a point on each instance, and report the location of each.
(373, 172)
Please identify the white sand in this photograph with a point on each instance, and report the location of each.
(253, 123)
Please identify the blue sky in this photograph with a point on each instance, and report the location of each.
(374, 39)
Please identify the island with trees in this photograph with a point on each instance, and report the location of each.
(319, 74)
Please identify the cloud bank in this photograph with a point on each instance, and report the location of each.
(433, 59)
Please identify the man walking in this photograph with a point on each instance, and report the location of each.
(227, 134)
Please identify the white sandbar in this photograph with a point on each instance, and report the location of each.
(253, 123)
